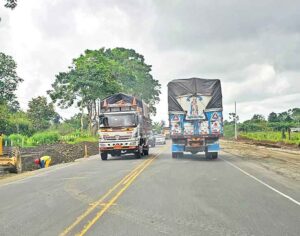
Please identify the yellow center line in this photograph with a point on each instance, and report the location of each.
(114, 199)
(95, 204)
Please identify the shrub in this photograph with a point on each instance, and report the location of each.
(44, 138)
(17, 139)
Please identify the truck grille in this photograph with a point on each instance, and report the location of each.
(117, 137)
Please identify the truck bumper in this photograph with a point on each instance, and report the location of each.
(201, 146)
(118, 151)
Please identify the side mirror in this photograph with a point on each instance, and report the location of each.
(103, 121)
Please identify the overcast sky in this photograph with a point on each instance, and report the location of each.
(252, 46)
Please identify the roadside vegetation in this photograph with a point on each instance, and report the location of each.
(92, 76)
(276, 128)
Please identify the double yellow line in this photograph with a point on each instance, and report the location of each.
(118, 189)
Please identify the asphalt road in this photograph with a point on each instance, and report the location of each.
(157, 195)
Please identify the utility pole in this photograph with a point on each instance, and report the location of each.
(235, 122)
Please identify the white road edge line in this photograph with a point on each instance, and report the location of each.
(262, 182)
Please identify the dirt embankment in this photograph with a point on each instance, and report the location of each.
(59, 153)
(270, 144)
(283, 161)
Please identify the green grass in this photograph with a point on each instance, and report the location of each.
(48, 137)
(272, 136)
(229, 131)
(83, 139)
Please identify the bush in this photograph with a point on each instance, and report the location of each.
(44, 138)
(17, 139)
(272, 136)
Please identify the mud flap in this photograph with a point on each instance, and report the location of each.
(214, 147)
(177, 147)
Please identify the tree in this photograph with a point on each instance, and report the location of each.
(41, 113)
(11, 4)
(258, 118)
(157, 127)
(295, 114)
(4, 117)
(273, 117)
(9, 80)
(284, 116)
(20, 123)
(99, 73)
(135, 75)
(75, 121)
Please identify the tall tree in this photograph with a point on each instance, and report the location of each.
(295, 114)
(9, 80)
(135, 75)
(273, 117)
(258, 118)
(41, 113)
(99, 73)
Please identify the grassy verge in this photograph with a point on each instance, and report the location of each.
(47, 137)
(272, 137)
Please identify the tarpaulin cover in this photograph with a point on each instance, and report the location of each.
(121, 98)
(195, 87)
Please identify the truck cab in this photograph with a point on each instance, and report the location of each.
(123, 129)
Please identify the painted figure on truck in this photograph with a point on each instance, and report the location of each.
(195, 116)
(124, 126)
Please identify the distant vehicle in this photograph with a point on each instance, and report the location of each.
(166, 132)
(152, 139)
(160, 139)
(195, 116)
(124, 126)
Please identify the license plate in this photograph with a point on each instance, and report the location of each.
(118, 147)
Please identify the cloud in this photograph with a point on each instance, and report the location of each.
(253, 47)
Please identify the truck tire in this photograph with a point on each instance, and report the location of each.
(214, 155)
(103, 156)
(138, 155)
(208, 155)
(177, 154)
(146, 152)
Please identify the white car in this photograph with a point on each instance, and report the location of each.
(160, 139)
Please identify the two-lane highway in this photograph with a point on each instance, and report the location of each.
(157, 195)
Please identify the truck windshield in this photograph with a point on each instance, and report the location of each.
(118, 120)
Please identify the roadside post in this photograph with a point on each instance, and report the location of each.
(235, 123)
(1, 148)
(85, 152)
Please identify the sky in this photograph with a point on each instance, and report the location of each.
(252, 46)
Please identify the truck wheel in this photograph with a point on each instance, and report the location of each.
(138, 155)
(174, 154)
(214, 155)
(146, 152)
(208, 155)
(103, 156)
